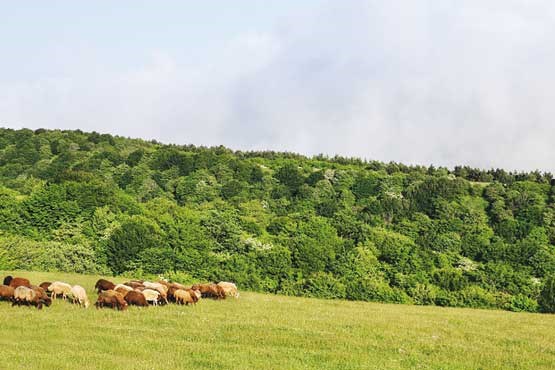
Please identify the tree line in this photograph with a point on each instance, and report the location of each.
(277, 222)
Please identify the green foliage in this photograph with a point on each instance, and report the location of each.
(277, 222)
(324, 285)
(546, 300)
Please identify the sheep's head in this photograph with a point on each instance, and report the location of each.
(8, 279)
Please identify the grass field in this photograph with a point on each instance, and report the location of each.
(259, 331)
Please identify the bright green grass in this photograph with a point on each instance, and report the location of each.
(260, 331)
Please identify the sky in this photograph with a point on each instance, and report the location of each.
(427, 82)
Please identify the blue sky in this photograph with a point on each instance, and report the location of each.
(417, 81)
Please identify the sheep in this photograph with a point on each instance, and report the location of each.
(6, 293)
(133, 284)
(79, 295)
(58, 288)
(35, 297)
(155, 286)
(45, 286)
(230, 289)
(161, 288)
(122, 291)
(136, 299)
(151, 296)
(112, 299)
(123, 286)
(171, 290)
(17, 281)
(185, 297)
(210, 290)
(103, 284)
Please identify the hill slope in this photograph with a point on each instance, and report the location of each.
(258, 331)
(275, 222)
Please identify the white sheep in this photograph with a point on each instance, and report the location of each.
(58, 288)
(79, 296)
(151, 295)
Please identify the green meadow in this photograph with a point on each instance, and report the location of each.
(262, 331)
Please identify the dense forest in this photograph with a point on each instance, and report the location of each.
(277, 222)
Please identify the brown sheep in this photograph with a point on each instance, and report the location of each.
(103, 284)
(112, 299)
(6, 293)
(185, 297)
(45, 286)
(210, 291)
(164, 283)
(172, 287)
(134, 298)
(122, 291)
(43, 295)
(134, 284)
(17, 282)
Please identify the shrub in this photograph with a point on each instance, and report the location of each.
(521, 302)
(373, 289)
(324, 285)
(424, 294)
(476, 297)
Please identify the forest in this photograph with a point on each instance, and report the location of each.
(327, 227)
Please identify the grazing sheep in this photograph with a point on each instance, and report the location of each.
(42, 294)
(155, 286)
(161, 288)
(135, 298)
(103, 284)
(111, 298)
(133, 284)
(17, 282)
(58, 288)
(210, 291)
(164, 283)
(151, 296)
(122, 291)
(6, 293)
(79, 295)
(185, 297)
(123, 286)
(28, 296)
(172, 287)
(45, 286)
(230, 289)
(197, 293)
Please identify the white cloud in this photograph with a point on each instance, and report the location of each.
(412, 81)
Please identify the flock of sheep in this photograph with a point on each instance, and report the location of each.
(20, 291)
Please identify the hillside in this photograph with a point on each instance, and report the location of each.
(257, 331)
(276, 222)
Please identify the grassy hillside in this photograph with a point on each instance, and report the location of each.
(277, 222)
(261, 331)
